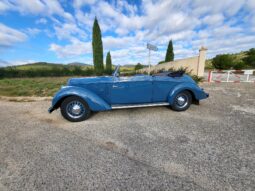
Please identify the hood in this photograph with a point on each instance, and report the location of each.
(88, 80)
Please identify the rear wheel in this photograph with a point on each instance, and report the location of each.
(182, 101)
(75, 109)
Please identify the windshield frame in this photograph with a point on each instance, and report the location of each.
(116, 72)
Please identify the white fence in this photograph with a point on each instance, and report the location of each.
(235, 76)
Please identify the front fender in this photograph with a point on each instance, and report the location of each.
(197, 92)
(94, 101)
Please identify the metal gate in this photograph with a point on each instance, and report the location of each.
(235, 76)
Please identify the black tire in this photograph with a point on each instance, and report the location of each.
(75, 109)
(182, 101)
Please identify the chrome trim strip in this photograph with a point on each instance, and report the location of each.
(139, 105)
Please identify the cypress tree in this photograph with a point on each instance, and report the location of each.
(108, 63)
(169, 52)
(97, 46)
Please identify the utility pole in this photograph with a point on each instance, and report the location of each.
(154, 48)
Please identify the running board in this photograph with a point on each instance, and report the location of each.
(123, 106)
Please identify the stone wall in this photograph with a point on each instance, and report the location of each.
(194, 64)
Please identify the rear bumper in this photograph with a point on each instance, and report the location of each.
(202, 95)
(51, 109)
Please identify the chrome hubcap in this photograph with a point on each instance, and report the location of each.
(182, 101)
(75, 109)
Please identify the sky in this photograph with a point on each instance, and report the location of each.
(59, 31)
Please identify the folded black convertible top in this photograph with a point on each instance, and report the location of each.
(171, 73)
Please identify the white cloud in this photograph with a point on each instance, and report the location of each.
(41, 21)
(36, 7)
(128, 8)
(215, 19)
(67, 30)
(229, 7)
(10, 36)
(4, 6)
(76, 48)
(80, 3)
(4, 63)
(53, 7)
(110, 42)
(21, 62)
(31, 6)
(32, 31)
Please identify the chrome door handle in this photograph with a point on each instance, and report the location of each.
(114, 86)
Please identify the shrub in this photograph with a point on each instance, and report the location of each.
(196, 78)
(239, 65)
(14, 72)
(138, 66)
(162, 62)
(223, 62)
(250, 58)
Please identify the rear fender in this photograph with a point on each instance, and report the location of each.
(94, 101)
(197, 92)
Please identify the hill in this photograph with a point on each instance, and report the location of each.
(237, 57)
(36, 65)
(48, 66)
(78, 64)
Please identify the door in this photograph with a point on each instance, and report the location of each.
(131, 90)
(162, 86)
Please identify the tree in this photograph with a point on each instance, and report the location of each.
(108, 63)
(97, 46)
(250, 58)
(138, 66)
(169, 52)
(223, 62)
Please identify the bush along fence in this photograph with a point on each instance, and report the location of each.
(235, 76)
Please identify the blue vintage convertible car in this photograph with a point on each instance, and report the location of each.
(82, 96)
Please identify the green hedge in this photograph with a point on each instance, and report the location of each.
(14, 72)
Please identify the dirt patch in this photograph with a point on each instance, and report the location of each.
(247, 109)
(109, 145)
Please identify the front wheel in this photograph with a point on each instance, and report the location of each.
(75, 109)
(182, 101)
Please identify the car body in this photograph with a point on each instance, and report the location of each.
(84, 95)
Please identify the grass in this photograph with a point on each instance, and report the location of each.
(40, 87)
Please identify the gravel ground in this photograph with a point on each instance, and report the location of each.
(208, 147)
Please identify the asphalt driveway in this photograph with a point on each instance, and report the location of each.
(208, 147)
